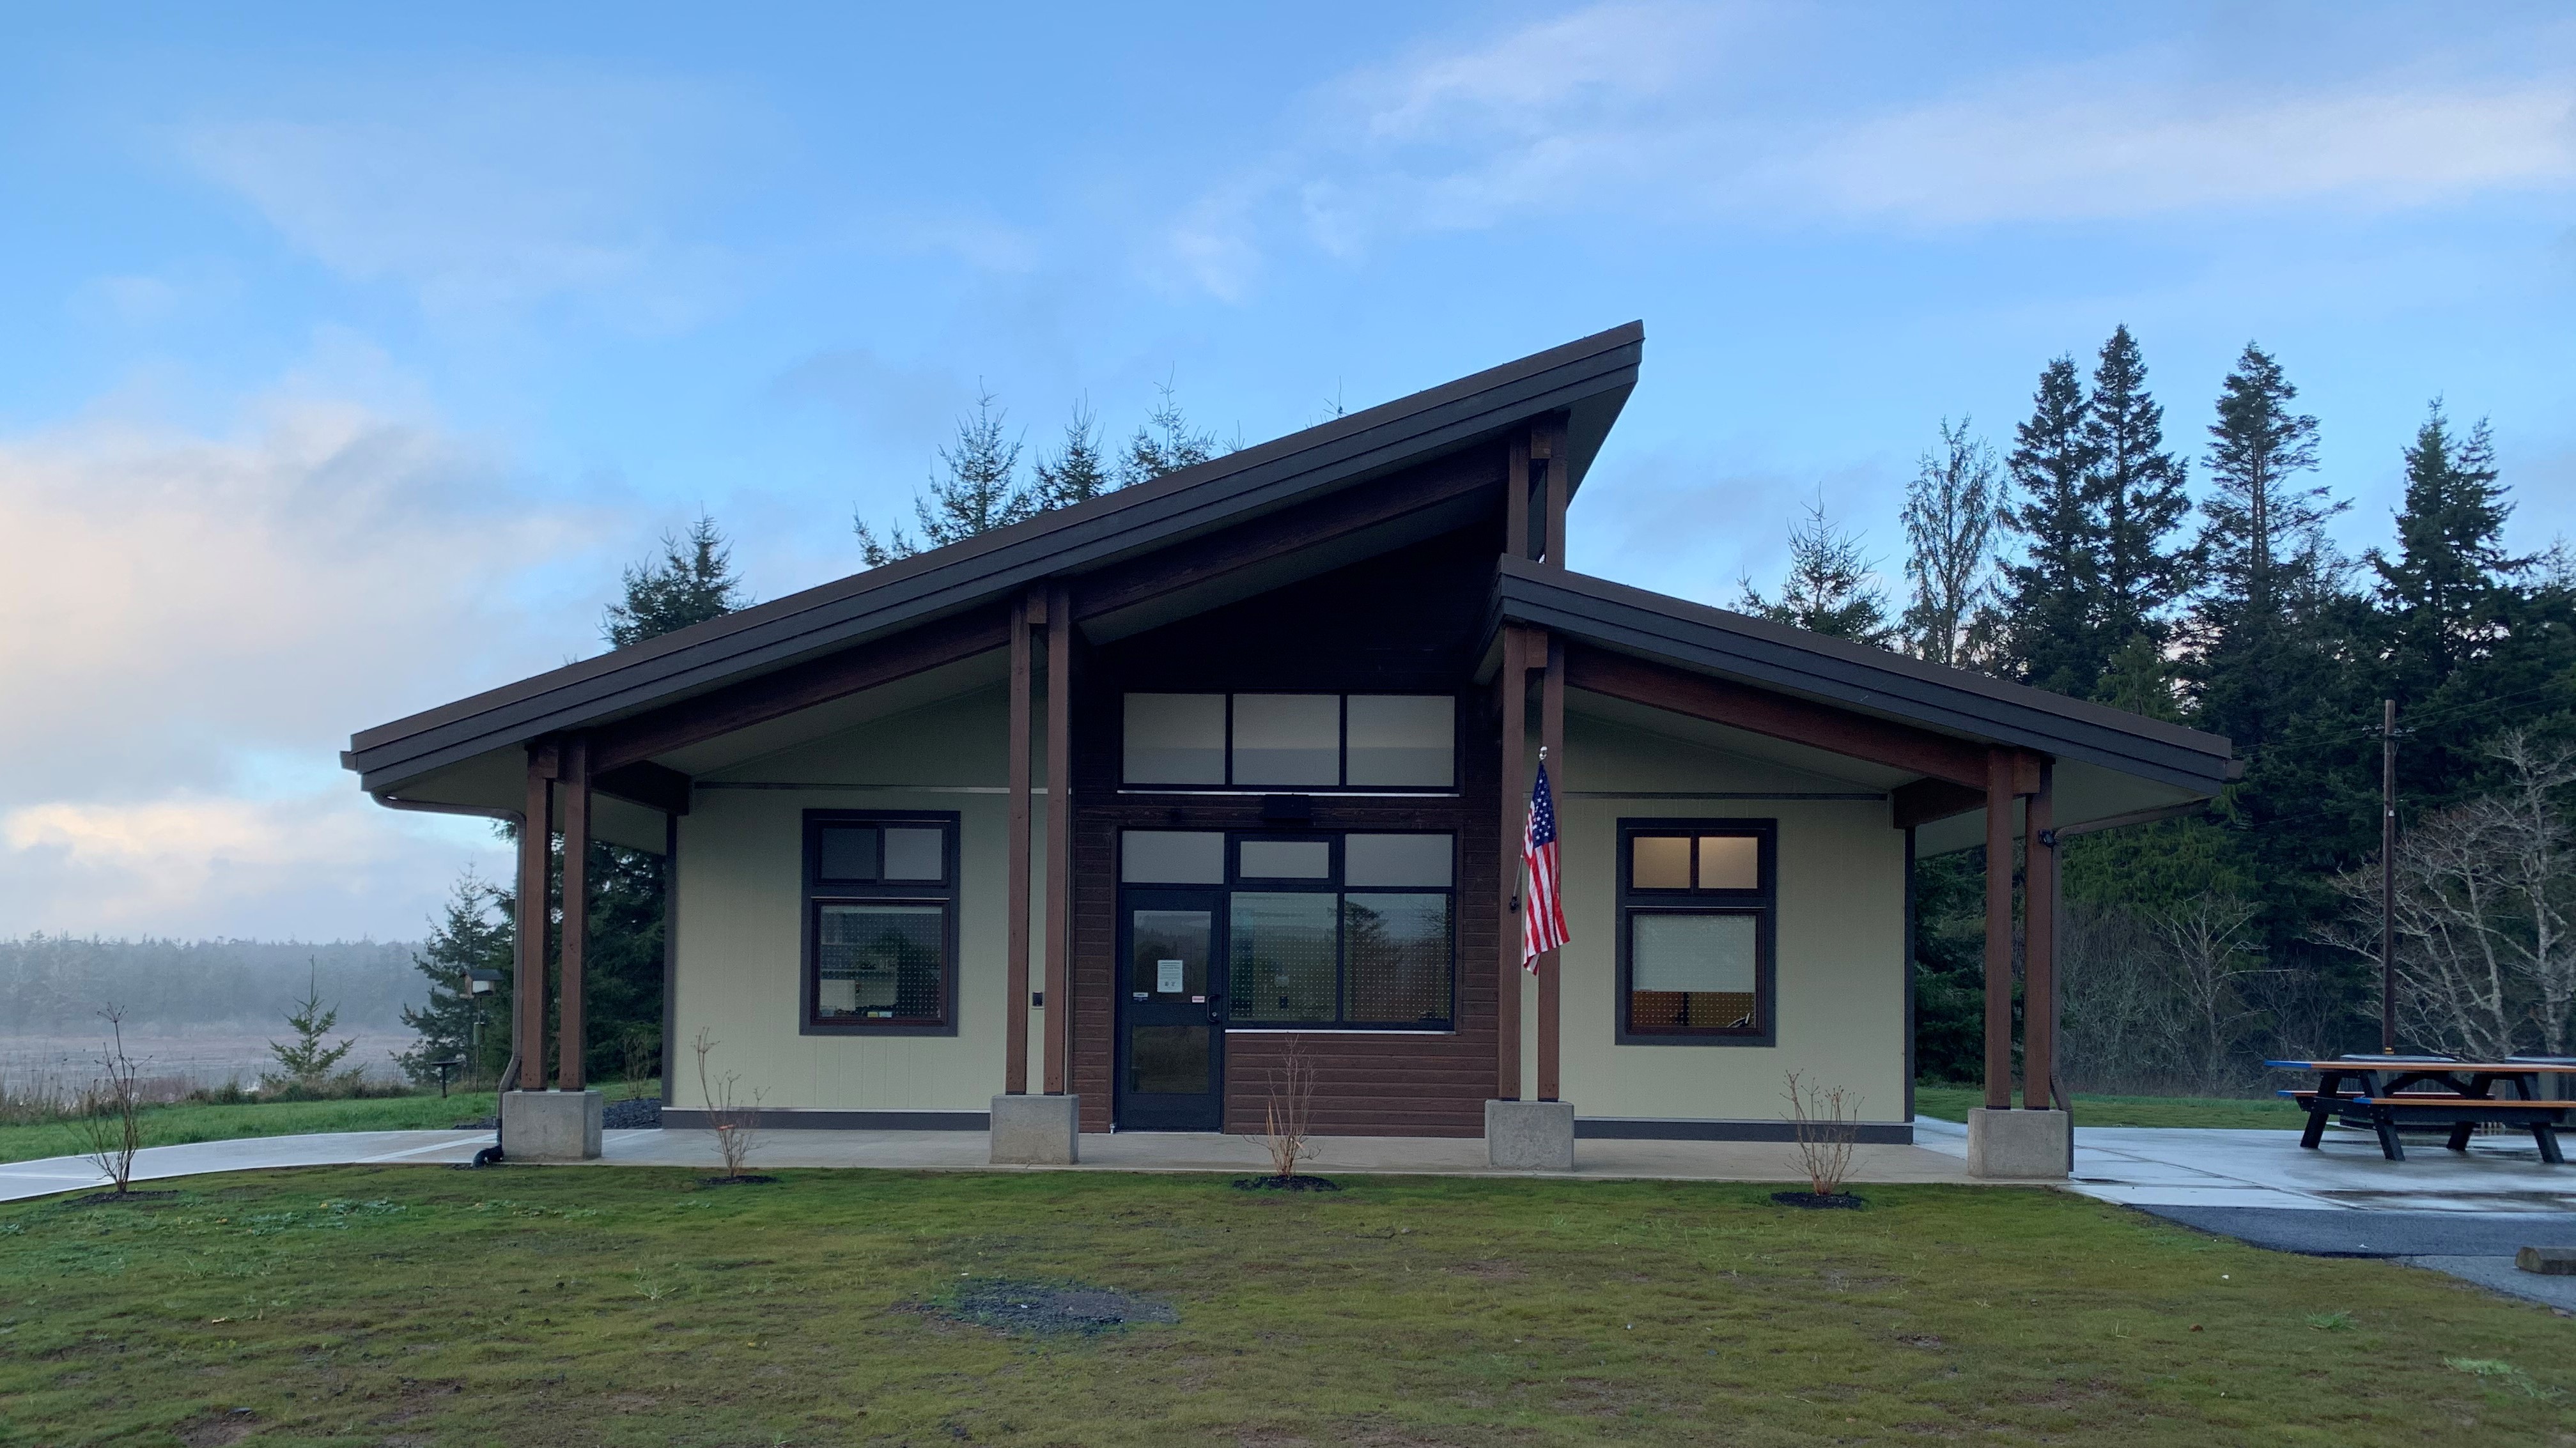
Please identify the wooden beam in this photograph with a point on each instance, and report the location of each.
(1999, 931)
(1516, 498)
(1511, 699)
(1059, 848)
(1551, 733)
(798, 686)
(1560, 490)
(2039, 942)
(575, 953)
(651, 785)
(536, 848)
(1839, 731)
(1015, 1044)
(1926, 800)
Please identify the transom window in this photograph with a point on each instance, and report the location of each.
(880, 922)
(1292, 741)
(1327, 931)
(1696, 931)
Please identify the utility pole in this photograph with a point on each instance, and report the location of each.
(2388, 877)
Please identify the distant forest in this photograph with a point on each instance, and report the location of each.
(57, 984)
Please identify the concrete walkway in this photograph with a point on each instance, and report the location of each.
(20, 1180)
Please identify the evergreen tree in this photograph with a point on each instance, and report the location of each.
(1952, 510)
(305, 1068)
(693, 582)
(2050, 640)
(1829, 588)
(1166, 443)
(1078, 471)
(2440, 588)
(2264, 542)
(981, 492)
(473, 933)
(2134, 490)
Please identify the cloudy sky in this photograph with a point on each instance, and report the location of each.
(351, 350)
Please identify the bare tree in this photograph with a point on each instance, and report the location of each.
(111, 1123)
(1286, 1119)
(2206, 951)
(735, 1124)
(1825, 1121)
(1953, 509)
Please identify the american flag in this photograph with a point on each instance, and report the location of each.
(1543, 922)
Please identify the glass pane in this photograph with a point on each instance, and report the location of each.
(1287, 739)
(1171, 857)
(1171, 1060)
(1287, 860)
(1396, 860)
(1659, 862)
(1283, 957)
(916, 854)
(1170, 956)
(1691, 971)
(1730, 862)
(1398, 946)
(1175, 739)
(1403, 739)
(847, 854)
(879, 962)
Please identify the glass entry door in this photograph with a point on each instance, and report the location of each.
(1171, 1011)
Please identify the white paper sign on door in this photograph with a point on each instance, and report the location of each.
(1167, 977)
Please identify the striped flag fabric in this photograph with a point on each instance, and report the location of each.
(1543, 917)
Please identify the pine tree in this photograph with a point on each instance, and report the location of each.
(1952, 510)
(305, 1067)
(2135, 492)
(2265, 537)
(2050, 640)
(473, 933)
(693, 582)
(981, 492)
(1077, 472)
(1829, 588)
(1166, 443)
(2440, 588)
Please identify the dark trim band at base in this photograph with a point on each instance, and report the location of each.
(1647, 1128)
(792, 1118)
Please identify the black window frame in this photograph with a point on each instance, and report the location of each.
(1762, 902)
(816, 893)
(1342, 745)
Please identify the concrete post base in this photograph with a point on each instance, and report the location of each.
(550, 1125)
(1037, 1130)
(1530, 1135)
(2017, 1145)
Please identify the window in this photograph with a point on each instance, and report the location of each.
(1696, 931)
(880, 922)
(1292, 741)
(1352, 931)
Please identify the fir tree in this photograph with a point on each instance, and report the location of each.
(1078, 471)
(694, 581)
(2440, 588)
(1951, 513)
(1829, 588)
(2134, 490)
(2265, 536)
(1166, 443)
(981, 492)
(2050, 640)
(473, 933)
(306, 1066)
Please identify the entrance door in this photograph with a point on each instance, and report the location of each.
(1171, 1011)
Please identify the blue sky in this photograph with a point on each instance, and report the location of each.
(352, 350)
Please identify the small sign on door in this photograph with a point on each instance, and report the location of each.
(1167, 977)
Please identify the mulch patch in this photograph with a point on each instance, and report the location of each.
(1285, 1184)
(1043, 1309)
(1817, 1202)
(140, 1199)
(747, 1179)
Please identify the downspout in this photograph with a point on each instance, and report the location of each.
(518, 953)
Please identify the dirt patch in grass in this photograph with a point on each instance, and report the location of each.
(1050, 1309)
(123, 1199)
(1820, 1201)
(1286, 1184)
(216, 1432)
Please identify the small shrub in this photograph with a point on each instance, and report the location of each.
(109, 1122)
(1825, 1121)
(735, 1124)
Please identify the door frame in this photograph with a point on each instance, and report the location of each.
(1137, 1111)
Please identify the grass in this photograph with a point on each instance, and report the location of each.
(1951, 1103)
(583, 1306)
(187, 1122)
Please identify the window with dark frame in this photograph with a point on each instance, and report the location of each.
(880, 902)
(1291, 742)
(1697, 929)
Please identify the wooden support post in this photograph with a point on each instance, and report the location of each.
(528, 990)
(1511, 690)
(2039, 943)
(1551, 733)
(1549, 441)
(1059, 848)
(1015, 993)
(575, 952)
(1516, 498)
(1999, 928)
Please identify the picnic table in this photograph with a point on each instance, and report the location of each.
(2387, 1092)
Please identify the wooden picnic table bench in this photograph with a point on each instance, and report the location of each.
(2388, 1092)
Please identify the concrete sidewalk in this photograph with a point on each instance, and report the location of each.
(20, 1180)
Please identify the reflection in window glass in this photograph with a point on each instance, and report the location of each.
(1282, 956)
(1730, 862)
(1402, 740)
(1167, 1059)
(1660, 862)
(1396, 860)
(846, 854)
(1171, 857)
(878, 962)
(1691, 971)
(1286, 860)
(1176, 738)
(915, 854)
(1287, 739)
(1398, 949)
(1170, 957)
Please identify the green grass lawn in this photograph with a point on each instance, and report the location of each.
(578, 1306)
(181, 1124)
(1951, 1103)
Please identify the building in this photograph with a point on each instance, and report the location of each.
(1087, 822)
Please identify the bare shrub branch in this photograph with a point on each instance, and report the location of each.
(110, 1123)
(734, 1122)
(1288, 1114)
(1825, 1121)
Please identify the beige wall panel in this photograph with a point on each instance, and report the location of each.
(1841, 970)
